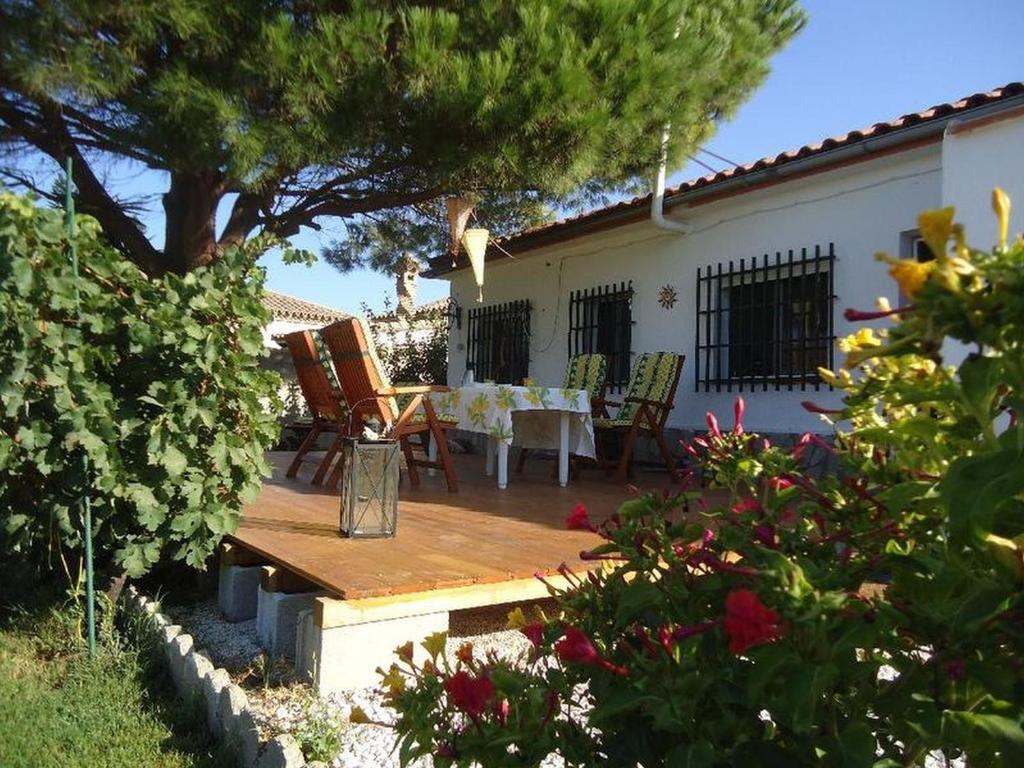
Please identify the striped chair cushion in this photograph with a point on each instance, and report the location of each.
(652, 378)
(586, 372)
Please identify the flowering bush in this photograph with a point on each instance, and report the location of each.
(866, 618)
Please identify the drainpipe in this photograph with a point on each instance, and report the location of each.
(658, 194)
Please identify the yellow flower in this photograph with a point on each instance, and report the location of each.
(1001, 205)
(358, 715)
(434, 644)
(840, 379)
(911, 275)
(394, 681)
(936, 226)
(516, 619)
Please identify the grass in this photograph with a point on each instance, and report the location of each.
(60, 708)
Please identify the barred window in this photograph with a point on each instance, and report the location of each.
(766, 324)
(499, 342)
(601, 321)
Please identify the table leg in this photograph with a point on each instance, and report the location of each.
(563, 450)
(502, 465)
(489, 461)
(431, 454)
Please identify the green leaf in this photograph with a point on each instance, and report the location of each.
(174, 461)
(974, 488)
(700, 755)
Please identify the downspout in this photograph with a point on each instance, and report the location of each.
(658, 194)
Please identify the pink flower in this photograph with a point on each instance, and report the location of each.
(577, 648)
(737, 409)
(578, 519)
(807, 405)
(857, 315)
(779, 484)
(713, 424)
(748, 621)
(765, 534)
(469, 694)
(501, 710)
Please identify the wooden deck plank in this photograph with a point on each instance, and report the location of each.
(478, 536)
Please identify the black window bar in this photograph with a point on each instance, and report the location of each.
(601, 321)
(765, 325)
(499, 342)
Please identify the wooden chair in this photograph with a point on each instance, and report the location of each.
(324, 401)
(372, 399)
(644, 409)
(587, 372)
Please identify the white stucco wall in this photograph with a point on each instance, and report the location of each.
(861, 208)
(976, 159)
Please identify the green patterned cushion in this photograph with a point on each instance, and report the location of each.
(586, 372)
(652, 378)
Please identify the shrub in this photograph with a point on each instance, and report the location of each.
(867, 618)
(414, 360)
(156, 381)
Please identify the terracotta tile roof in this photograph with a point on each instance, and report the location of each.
(291, 308)
(619, 213)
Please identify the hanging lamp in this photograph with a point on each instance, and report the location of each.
(475, 242)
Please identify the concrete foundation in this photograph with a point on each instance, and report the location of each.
(277, 618)
(237, 591)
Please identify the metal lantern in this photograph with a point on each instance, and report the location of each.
(369, 491)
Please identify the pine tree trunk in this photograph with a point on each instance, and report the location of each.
(191, 207)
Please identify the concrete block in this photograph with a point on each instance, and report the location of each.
(238, 727)
(346, 658)
(213, 685)
(306, 638)
(195, 668)
(177, 651)
(237, 588)
(282, 752)
(277, 618)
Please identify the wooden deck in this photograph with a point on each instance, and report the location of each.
(478, 536)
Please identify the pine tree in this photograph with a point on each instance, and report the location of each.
(291, 112)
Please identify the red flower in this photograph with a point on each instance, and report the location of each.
(779, 483)
(748, 621)
(468, 693)
(746, 505)
(765, 534)
(501, 710)
(465, 653)
(807, 405)
(534, 633)
(577, 648)
(857, 315)
(578, 520)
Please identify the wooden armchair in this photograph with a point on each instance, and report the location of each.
(643, 410)
(372, 400)
(323, 400)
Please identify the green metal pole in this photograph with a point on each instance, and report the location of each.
(86, 506)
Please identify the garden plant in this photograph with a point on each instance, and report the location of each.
(157, 380)
(873, 616)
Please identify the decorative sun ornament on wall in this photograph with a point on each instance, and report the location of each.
(667, 296)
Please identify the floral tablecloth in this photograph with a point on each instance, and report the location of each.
(523, 416)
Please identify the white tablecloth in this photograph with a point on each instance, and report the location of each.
(523, 416)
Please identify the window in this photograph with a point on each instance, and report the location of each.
(499, 342)
(766, 324)
(601, 321)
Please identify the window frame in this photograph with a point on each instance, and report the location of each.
(484, 343)
(716, 318)
(586, 328)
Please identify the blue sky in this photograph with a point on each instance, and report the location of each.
(855, 63)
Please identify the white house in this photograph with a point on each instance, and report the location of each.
(775, 250)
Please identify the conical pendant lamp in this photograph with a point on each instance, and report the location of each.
(475, 243)
(459, 210)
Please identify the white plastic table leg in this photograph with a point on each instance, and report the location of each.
(563, 450)
(432, 455)
(502, 465)
(489, 462)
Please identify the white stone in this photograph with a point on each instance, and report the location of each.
(177, 650)
(196, 667)
(237, 587)
(282, 752)
(213, 685)
(238, 727)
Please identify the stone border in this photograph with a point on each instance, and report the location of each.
(228, 715)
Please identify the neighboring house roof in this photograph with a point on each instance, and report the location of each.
(418, 311)
(904, 132)
(296, 310)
